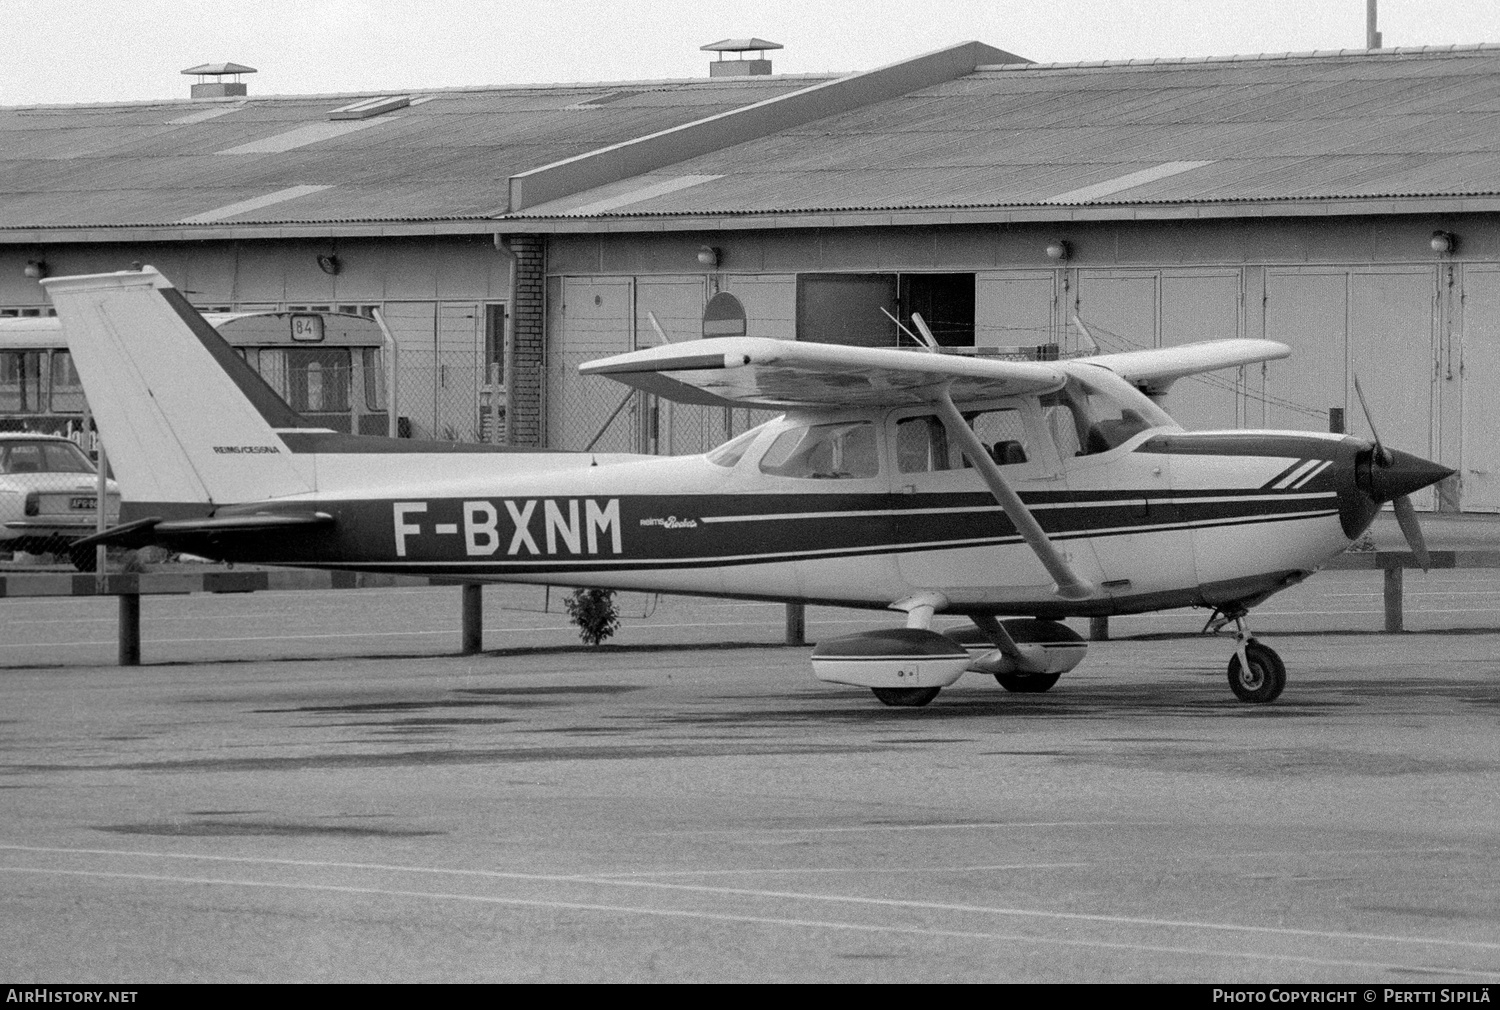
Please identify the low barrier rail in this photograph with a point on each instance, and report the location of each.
(1395, 563)
(130, 587)
(1392, 563)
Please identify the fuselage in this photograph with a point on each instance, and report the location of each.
(1164, 518)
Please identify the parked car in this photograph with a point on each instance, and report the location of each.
(49, 495)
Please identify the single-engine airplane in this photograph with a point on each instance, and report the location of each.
(922, 482)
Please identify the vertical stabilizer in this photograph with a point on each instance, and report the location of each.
(178, 426)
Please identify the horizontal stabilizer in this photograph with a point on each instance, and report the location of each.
(761, 372)
(255, 523)
(1154, 371)
(154, 529)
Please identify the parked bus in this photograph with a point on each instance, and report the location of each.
(329, 367)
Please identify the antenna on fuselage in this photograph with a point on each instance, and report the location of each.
(927, 337)
(661, 334)
(927, 344)
(1086, 334)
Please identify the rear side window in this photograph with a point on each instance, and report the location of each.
(922, 445)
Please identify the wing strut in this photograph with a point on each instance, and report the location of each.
(1069, 585)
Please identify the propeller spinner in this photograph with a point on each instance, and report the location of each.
(1392, 476)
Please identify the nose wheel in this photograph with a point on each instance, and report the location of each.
(1256, 674)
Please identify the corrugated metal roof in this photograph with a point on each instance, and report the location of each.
(1390, 124)
(444, 158)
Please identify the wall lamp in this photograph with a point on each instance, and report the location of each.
(708, 256)
(1444, 242)
(1058, 250)
(35, 269)
(330, 264)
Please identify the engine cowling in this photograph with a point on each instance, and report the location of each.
(893, 657)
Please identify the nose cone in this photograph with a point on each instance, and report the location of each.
(1400, 475)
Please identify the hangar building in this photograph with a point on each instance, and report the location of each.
(1342, 202)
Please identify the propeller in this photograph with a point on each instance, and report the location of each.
(1394, 479)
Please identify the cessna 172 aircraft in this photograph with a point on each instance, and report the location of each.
(922, 482)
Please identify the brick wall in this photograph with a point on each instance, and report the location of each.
(527, 369)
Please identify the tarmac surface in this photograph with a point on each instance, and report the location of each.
(310, 786)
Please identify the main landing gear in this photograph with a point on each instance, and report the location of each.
(1256, 673)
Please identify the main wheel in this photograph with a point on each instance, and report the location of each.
(906, 697)
(1265, 678)
(85, 559)
(1027, 683)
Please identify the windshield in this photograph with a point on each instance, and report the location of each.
(728, 454)
(844, 450)
(1099, 413)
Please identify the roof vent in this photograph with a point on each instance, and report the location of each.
(740, 67)
(601, 100)
(371, 107)
(219, 88)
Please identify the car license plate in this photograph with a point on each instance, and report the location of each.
(83, 503)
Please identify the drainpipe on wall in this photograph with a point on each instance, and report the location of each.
(392, 418)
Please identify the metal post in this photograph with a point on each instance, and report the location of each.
(1098, 629)
(473, 618)
(101, 518)
(392, 352)
(1393, 580)
(796, 624)
(130, 629)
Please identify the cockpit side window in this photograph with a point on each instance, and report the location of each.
(841, 451)
(1003, 433)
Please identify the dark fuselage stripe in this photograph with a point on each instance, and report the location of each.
(607, 563)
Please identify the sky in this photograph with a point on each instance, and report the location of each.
(108, 51)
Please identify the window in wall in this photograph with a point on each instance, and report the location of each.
(944, 301)
(847, 308)
(494, 342)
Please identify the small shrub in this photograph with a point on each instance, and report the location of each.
(593, 610)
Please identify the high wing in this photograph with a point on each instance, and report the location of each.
(761, 372)
(758, 372)
(1154, 371)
